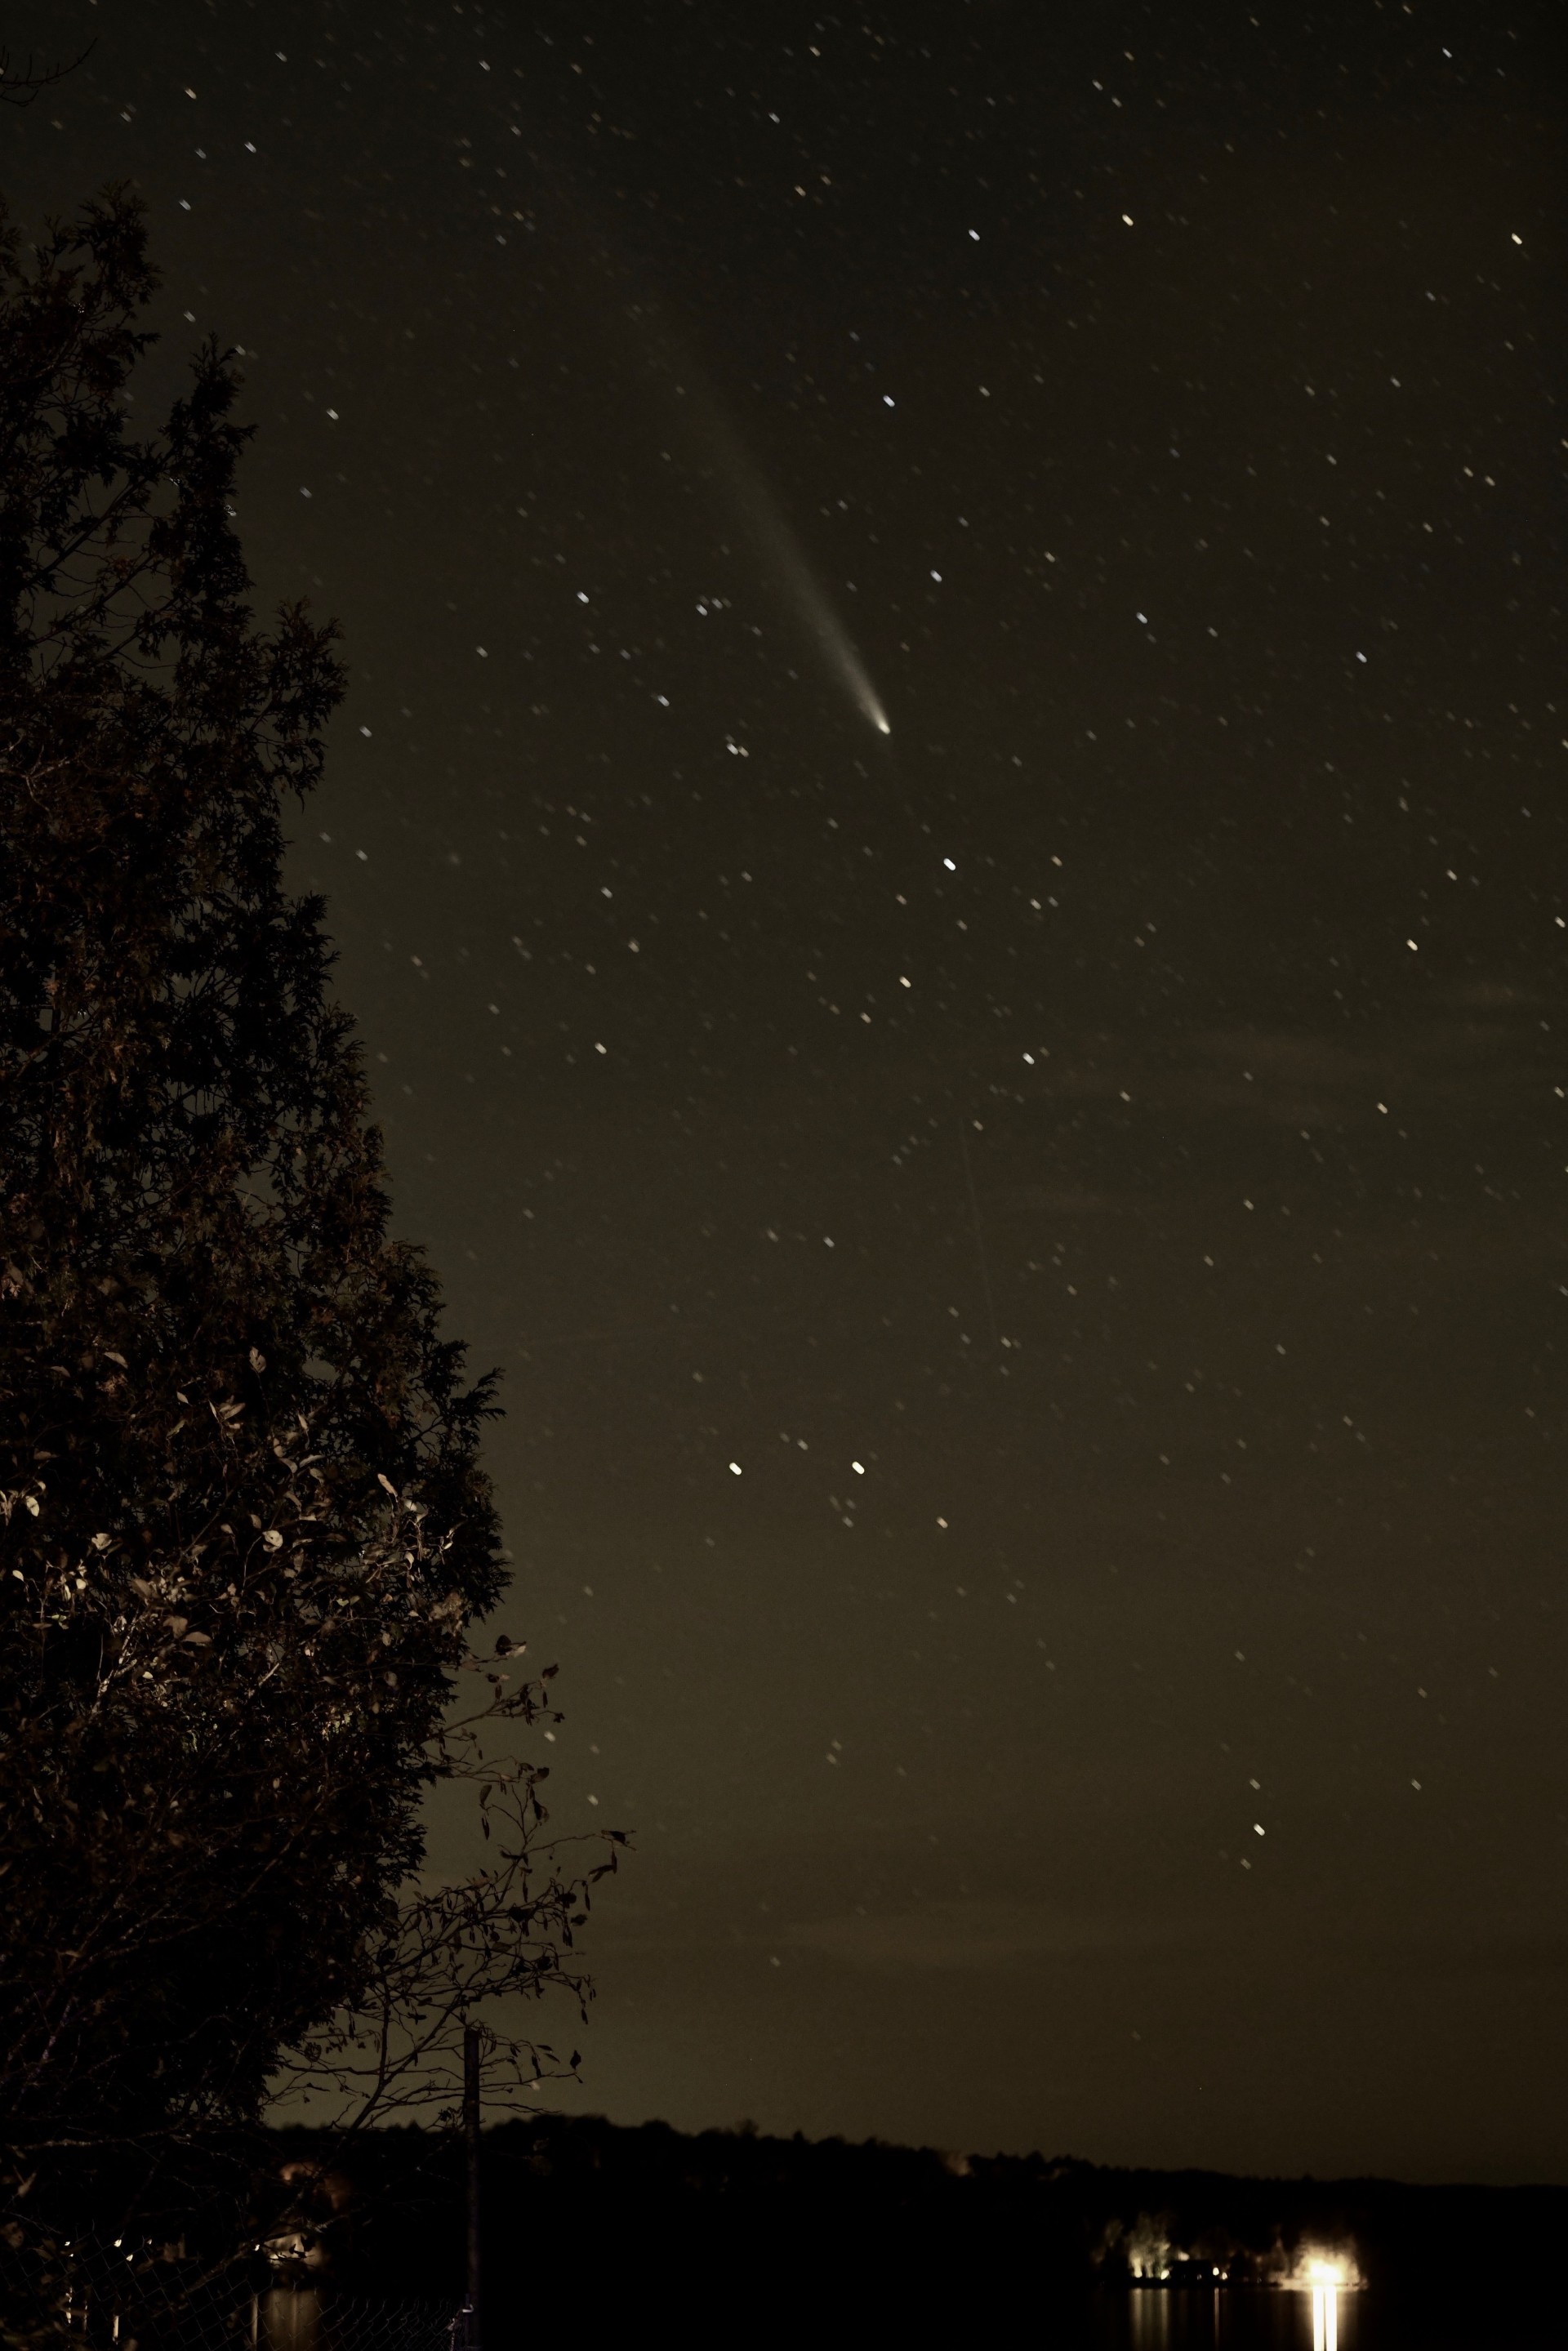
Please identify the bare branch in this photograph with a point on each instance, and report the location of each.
(21, 88)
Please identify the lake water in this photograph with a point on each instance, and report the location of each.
(1263, 2319)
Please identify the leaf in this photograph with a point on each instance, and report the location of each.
(258, 1360)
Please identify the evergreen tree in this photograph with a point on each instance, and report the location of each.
(246, 1528)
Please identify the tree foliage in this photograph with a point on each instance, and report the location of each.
(245, 1528)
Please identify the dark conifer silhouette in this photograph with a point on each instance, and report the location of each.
(245, 1529)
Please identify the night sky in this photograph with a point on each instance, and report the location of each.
(1027, 1250)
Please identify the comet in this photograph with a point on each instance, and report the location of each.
(786, 560)
(783, 556)
(714, 440)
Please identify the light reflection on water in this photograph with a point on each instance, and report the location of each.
(1230, 2318)
(1274, 2318)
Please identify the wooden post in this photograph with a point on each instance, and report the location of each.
(471, 2136)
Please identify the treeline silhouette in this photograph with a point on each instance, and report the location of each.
(650, 2219)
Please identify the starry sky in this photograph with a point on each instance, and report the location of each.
(1027, 1250)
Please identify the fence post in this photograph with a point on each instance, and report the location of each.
(471, 2309)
